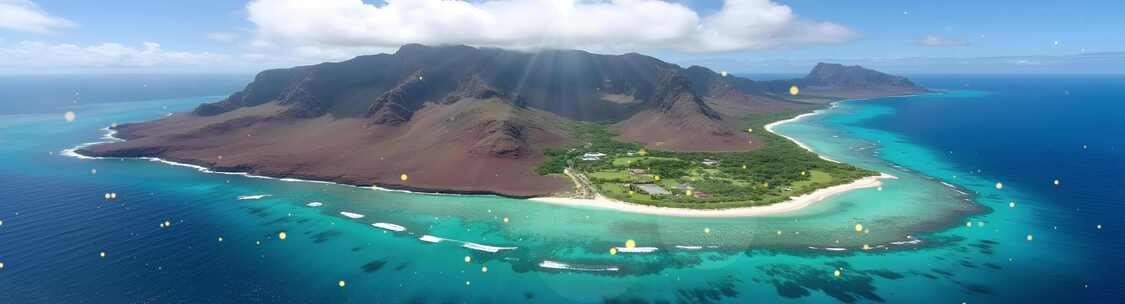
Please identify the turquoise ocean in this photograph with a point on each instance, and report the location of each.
(942, 232)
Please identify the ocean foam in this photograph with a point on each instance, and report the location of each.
(252, 197)
(389, 226)
(689, 247)
(565, 266)
(636, 249)
(352, 215)
(430, 239)
(486, 248)
(314, 204)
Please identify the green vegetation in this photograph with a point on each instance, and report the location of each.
(770, 174)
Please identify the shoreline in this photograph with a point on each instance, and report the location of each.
(769, 127)
(793, 204)
(110, 138)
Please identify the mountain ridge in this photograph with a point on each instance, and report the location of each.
(465, 119)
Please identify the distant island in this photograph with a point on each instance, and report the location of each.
(553, 123)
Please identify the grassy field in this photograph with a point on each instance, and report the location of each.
(771, 174)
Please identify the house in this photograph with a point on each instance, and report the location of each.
(700, 194)
(653, 189)
(593, 156)
(710, 162)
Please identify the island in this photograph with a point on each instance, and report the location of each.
(555, 125)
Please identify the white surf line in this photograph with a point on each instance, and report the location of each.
(469, 245)
(689, 247)
(635, 249)
(564, 266)
(110, 138)
(352, 215)
(389, 226)
(252, 197)
(430, 239)
(314, 204)
(769, 127)
(485, 248)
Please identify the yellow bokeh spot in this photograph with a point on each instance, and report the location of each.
(779, 232)
(793, 90)
(707, 230)
(70, 116)
(688, 193)
(1029, 237)
(342, 283)
(468, 259)
(749, 130)
(866, 247)
(743, 166)
(723, 73)
(630, 244)
(106, 195)
(403, 177)
(484, 269)
(613, 251)
(631, 192)
(505, 220)
(803, 173)
(837, 273)
(281, 235)
(657, 177)
(1, 265)
(642, 152)
(858, 227)
(999, 185)
(101, 254)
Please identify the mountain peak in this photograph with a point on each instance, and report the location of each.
(853, 76)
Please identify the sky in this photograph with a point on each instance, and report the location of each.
(740, 36)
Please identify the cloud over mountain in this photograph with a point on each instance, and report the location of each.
(333, 28)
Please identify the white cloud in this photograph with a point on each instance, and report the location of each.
(41, 57)
(939, 41)
(25, 16)
(342, 28)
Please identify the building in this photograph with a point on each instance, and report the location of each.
(593, 156)
(710, 162)
(653, 189)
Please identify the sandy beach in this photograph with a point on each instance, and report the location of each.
(793, 204)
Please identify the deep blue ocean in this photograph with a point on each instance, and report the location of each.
(1032, 241)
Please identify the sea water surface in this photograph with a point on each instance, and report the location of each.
(941, 233)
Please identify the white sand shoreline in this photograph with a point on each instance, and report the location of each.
(792, 204)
